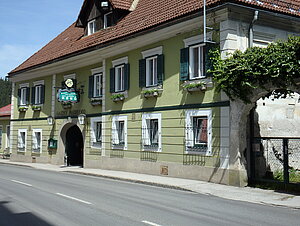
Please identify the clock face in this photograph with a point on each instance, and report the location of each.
(69, 83)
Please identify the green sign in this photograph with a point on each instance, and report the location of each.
(68, 96)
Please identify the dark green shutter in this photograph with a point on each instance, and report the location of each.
(19, 96)
(142, 73)
(112, 80)
(27, 95)
(126, 76)
(160, 69)
(207, 61)
(184, 64)
(42, 94)
(91, 86)
(33, 95)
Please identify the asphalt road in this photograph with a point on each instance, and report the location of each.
(37, 197)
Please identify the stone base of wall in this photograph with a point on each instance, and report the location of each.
(209, 174)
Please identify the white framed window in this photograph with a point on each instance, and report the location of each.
(95, 83)
(119, 78)
(37, 140)
(196, 62)
(119, 132)
(22, 140)
(151, 132)
(98, 85)
(151, 67)
(96, 132)
(1, 132)
(107, 20)
(199, 132)
(7, 145)
(91, 26)
(23, 96)
(151, 71)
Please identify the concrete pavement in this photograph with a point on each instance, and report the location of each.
(247, 194)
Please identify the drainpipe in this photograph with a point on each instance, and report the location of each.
(255, 18)
(204, 21)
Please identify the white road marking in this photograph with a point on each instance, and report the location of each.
(70, 197)
(150, 223)
(20, 182)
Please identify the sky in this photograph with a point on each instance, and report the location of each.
(27, 25)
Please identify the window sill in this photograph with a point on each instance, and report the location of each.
(118, 146)
(197, 151)
(96, 101)
(23, 108)
(152, 91)
(120, 96)
(36, 107)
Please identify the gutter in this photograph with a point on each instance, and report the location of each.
(158, 27)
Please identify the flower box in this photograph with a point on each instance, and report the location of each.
(117, 97)
(36, 107)
(23, 108)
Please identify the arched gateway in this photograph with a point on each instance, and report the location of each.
(73, 142)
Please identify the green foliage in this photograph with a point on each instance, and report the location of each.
(242, 72)
(117, 96)
(5, 94)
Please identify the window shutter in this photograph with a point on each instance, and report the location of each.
(42, 94)
(112, 80)
(32, 95)
(91, 86)
(184, 64)
(27, 95)
(19, 96)
(142, 73)
(160, 69)
(207, 61)
(126, 76)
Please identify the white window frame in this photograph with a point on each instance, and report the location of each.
(151, 75)
(146, 134)
(94, 122)
(34, 140)
(97, 72)
(189, 133)
(149, 55)
(24, 146)
(119, 63)
(38, 94)
(119, 78)
(70, 76)
(1, 136)
(23, 96)
(115, 120)
(7, 144)
(91, 30)
(105, 19)
(200, 62)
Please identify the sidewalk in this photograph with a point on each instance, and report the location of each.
(247, 194)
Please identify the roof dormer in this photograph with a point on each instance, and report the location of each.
(101, 14)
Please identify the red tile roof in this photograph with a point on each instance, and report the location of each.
(121, 4)
(148, 13)
(5, 111)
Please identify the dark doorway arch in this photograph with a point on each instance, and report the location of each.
(74, 146)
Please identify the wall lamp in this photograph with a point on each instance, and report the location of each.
(50, 120)
(81, 119)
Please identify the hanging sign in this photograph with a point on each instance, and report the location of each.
(68, 93)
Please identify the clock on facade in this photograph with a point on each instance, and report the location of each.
(69, 83)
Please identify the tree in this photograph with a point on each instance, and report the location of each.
(5, 93)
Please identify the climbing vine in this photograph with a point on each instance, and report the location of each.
(242, 72)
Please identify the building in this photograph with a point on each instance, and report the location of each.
(5, 130)
(126, 87)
